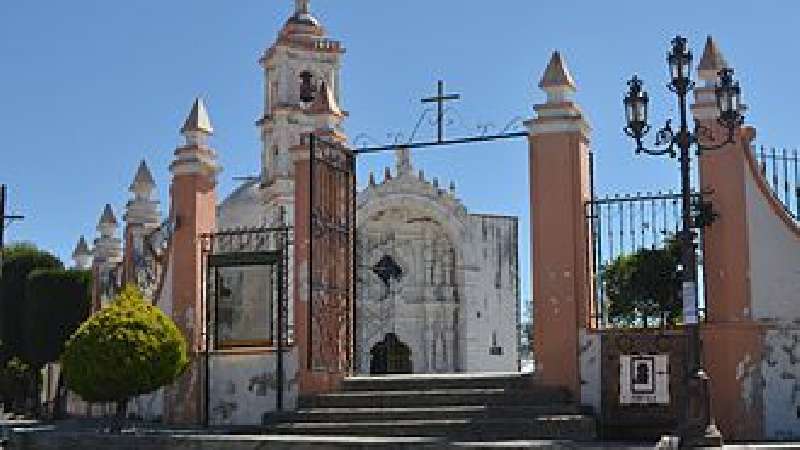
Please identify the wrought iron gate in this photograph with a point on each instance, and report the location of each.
(331, 256)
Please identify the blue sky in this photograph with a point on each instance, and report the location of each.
(90, 87)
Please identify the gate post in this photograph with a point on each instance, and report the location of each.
(560, 186)
(193, 211)
(317, 192)
(732, 340)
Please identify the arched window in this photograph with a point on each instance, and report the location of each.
(307, 88)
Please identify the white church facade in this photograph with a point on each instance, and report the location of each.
(441, 283)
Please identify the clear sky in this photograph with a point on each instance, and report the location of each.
(90, 87)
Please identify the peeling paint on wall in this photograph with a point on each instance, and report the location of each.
(590, 358)
(780, 369)
(243, 387)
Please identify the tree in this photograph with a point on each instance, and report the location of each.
(58, 301)
(128, 348)
(644, 285)
(19, 260)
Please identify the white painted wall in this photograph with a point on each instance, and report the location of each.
(774, 260)
(243, 387)
(590, 362)
(491, 310)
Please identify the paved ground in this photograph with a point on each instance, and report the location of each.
(220, 439)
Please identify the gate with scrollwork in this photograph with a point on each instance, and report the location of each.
(331, 261)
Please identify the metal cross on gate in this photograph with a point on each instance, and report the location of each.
(440, 99)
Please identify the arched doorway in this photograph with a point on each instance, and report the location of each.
(391, 355)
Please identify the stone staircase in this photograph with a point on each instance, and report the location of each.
(468, 407)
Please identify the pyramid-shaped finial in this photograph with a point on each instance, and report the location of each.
(143, 179)
(108, 217)
(325, 101)
(712, 61)
(556, 76)
(82, 249)
(198, 120)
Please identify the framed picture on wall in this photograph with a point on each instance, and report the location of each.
(644, 379)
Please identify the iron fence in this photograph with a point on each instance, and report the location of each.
(622, 225)
(781, 169)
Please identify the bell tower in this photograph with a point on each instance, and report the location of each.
(296, 67)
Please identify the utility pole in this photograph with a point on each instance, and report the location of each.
(3, 219)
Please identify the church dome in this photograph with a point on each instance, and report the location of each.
(242, 208)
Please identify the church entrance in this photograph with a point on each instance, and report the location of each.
(403, 255)
(390, 356)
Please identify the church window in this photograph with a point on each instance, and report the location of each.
(244, 309)
(307, 88)
(387, 270)
(267, 92)
(444, 351)
(497, 277)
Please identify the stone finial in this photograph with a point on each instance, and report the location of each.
(108, 218)
(142, 209)
(82, 256)
(196, 157)
(402, 160)
(325, 101)
(453, 187)
(371, 178)
(556, 81)
(108, 248)
(197, 126)
(711, 62)
(387, 174)
(143, 182)
(421, 175)
(82, 249)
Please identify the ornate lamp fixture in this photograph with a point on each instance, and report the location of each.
(697, 425)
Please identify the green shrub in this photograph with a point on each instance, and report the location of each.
(58, 302)
(19, 260)
(127, 349)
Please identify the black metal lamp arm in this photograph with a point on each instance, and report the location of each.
(666, 139)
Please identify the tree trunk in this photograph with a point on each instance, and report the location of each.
(59, 409)
(122, 408)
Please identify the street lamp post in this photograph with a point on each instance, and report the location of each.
(698, 428)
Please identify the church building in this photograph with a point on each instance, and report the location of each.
(428, 286)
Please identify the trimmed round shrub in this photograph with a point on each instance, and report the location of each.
(128, 348)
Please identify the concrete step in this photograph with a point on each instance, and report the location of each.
(62, 440)
(433, 397)
(443, 381)
(544, 427)
(436, 412)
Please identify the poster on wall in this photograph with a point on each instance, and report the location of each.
(644, 379)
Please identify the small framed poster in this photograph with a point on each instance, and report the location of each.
(644, 379)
